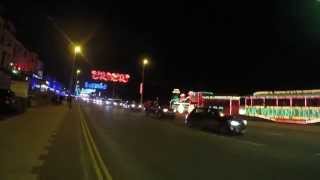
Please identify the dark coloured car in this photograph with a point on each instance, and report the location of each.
(7, 100)
(166, 112)
(160, 111)
(213, 119)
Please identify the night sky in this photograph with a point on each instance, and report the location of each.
(229, 47)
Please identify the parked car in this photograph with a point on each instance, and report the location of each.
(7, 100)
(213, 119)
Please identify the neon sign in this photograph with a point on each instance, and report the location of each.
(101, 86)
(109, 77)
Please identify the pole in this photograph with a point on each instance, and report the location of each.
(71, 79)
(142, 86)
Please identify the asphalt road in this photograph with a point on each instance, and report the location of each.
(134, 146)
(96, 142)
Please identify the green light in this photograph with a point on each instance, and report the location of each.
(284, 112)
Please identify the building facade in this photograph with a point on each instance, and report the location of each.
(13, 54)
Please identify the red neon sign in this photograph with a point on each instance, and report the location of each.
(109, 77)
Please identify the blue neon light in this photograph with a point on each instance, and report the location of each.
(100, 86)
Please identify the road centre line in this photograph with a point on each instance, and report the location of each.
(95, 152)
(95, 164)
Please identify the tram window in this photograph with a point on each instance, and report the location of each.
(242, 101)
(298, 102)
(258, 102)
(271, 102)
(284, 102)
(313, 102)
(248, 102)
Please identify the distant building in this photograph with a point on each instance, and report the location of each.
(13, 53)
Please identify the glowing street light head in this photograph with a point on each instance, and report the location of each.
(145, 62)
(78, 71)
(77, 49)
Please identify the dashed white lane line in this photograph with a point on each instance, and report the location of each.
(251, 143)
(317, 154)
(273, 134)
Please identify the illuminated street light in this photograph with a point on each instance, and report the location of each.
(144, 63)
(77, 49)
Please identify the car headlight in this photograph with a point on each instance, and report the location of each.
(165, 110)
(115, 104)
(140, 106)
(221, 114)
(234, 123)
(133, 105)
(245, 122)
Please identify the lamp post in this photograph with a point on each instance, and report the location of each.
(77, 50)
(144, 63)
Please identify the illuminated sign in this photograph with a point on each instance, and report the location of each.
(87, 91)
(100, 86)
(109, 77)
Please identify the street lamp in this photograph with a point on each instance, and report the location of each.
(144, 63)
(77, 50)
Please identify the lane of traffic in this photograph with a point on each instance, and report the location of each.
(140, 147)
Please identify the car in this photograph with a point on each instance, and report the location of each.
(166, 112)
(214, 119)
(133, 106)
(7, 100)
(160, 112)
(113, 102)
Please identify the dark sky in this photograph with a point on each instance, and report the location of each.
(223, 46)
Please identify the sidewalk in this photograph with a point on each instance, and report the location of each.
(43, 143)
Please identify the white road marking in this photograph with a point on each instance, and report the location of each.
(251, 143)
(317, 154)
(274, 134)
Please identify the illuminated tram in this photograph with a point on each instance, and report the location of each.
(298, 106)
